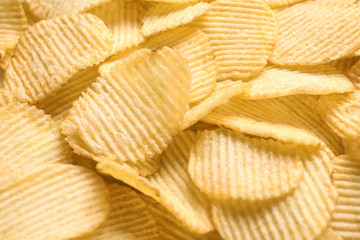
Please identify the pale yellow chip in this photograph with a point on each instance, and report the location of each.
(315, 80)
(4, 63)
(329, 234)
(345, 219)
(171, 184)
(281, 3)
(5, 97)
(301, 215)
(225, 165)
(291, 119)
(52, 51)
(242, 33)
(354, 74)
(165, 16)
(345, 65)
(51, 201)
(45, 9)
(196, 47)
(132, 111)
(316, 32)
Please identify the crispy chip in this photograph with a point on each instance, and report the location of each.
(5, 97)
(225, 164)
(329, 234)
(345, 65)
(300, 215)
(316, 32)
(281, 3)
(4, 63)
(51, 201)
(354, 74)
(164, 16)
(54, 50)
(171, 184)
(173, 1)
(242, 33)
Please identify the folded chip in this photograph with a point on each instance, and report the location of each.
(329, 234)
(345, 65)
(165, 16)
(301, 215)
(51, 201)
(52, 51)
(281, 3)
(242, 33)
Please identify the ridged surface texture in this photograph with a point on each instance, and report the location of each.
(164, 16)
(5, 97)
(4, 63)
(51, 201)
(329, 234)
(281, 3)
(345, 65)
(301, 215)
(242, 33)
(52, 51)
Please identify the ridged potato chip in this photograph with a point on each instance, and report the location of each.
(345, 65)
(173, 1)
(226, 165)
(52, 51)
(51, 201)
(165, 16)
(300, 215)
(354, 74)
(6, 58)
(329, 234)
(316, 32)
(5, 97)
(242, 33)
(281, 3)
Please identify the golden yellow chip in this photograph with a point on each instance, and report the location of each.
(51, 201)
(173, 1)
(225, 165)
(316, 32)
(242, 33)
(164, 16)
(329, 234)
(354, 74)
(54, 50)
(171, 184)
(6, 58)
(300, 215)
(345, 65)
(45, 9)
(196, 47)
(281, 3)
(316, 80)
(5, 97)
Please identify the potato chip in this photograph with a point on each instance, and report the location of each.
(128, 215)
(43, 62)
(5, 97)
(171, 184)
(332, 31)
(289, 119)
(196, 47)
(316, 80)
(344, 65)
(6, 58)
(281, 3)
(132, 111)
(164, 16)
(173, 1)
(300, 215)
(225, 165)
(242, 33)
(329, 234)
(45, 9)
(51, 201)
(354, 74)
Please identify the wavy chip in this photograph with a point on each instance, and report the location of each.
(281, 3)
(329, 234)
(165, 16)
(51, 201)
(53, 51)
(5, 97)
(332, 31)
(242, 33)
(300, 215)
(4, 63)
(225, 165)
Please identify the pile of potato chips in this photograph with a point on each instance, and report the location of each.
(180, 119)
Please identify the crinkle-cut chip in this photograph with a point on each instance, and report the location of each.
(173, 1)
(28, 136)
(84, 162)
(113, 60)
(52, 51)
(61, 102)
(344, 65)
(300, 215)
(201, 126)
(46, 9)
(242, 34)
(228, 165)
(281, 3)
(123, 18)
(171, 184)
(132, 111)
(345, 219)
(290, 119)
(352, 147)
(4, 63)
(129, 214)
(316, 32)
(329, 234)
(51, 201)
(315, 80)
(223, 91)
(354, 74)
(5, 97)
(165, 16)
(196, 47)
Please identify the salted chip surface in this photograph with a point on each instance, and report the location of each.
(225, 164)
(315, 80)
(281, 3)
(242, 34)
(300, 215)
(45, 9)
(52, 51)
(51, 201)
(164, 16)
(329, 234)
(331, 32)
